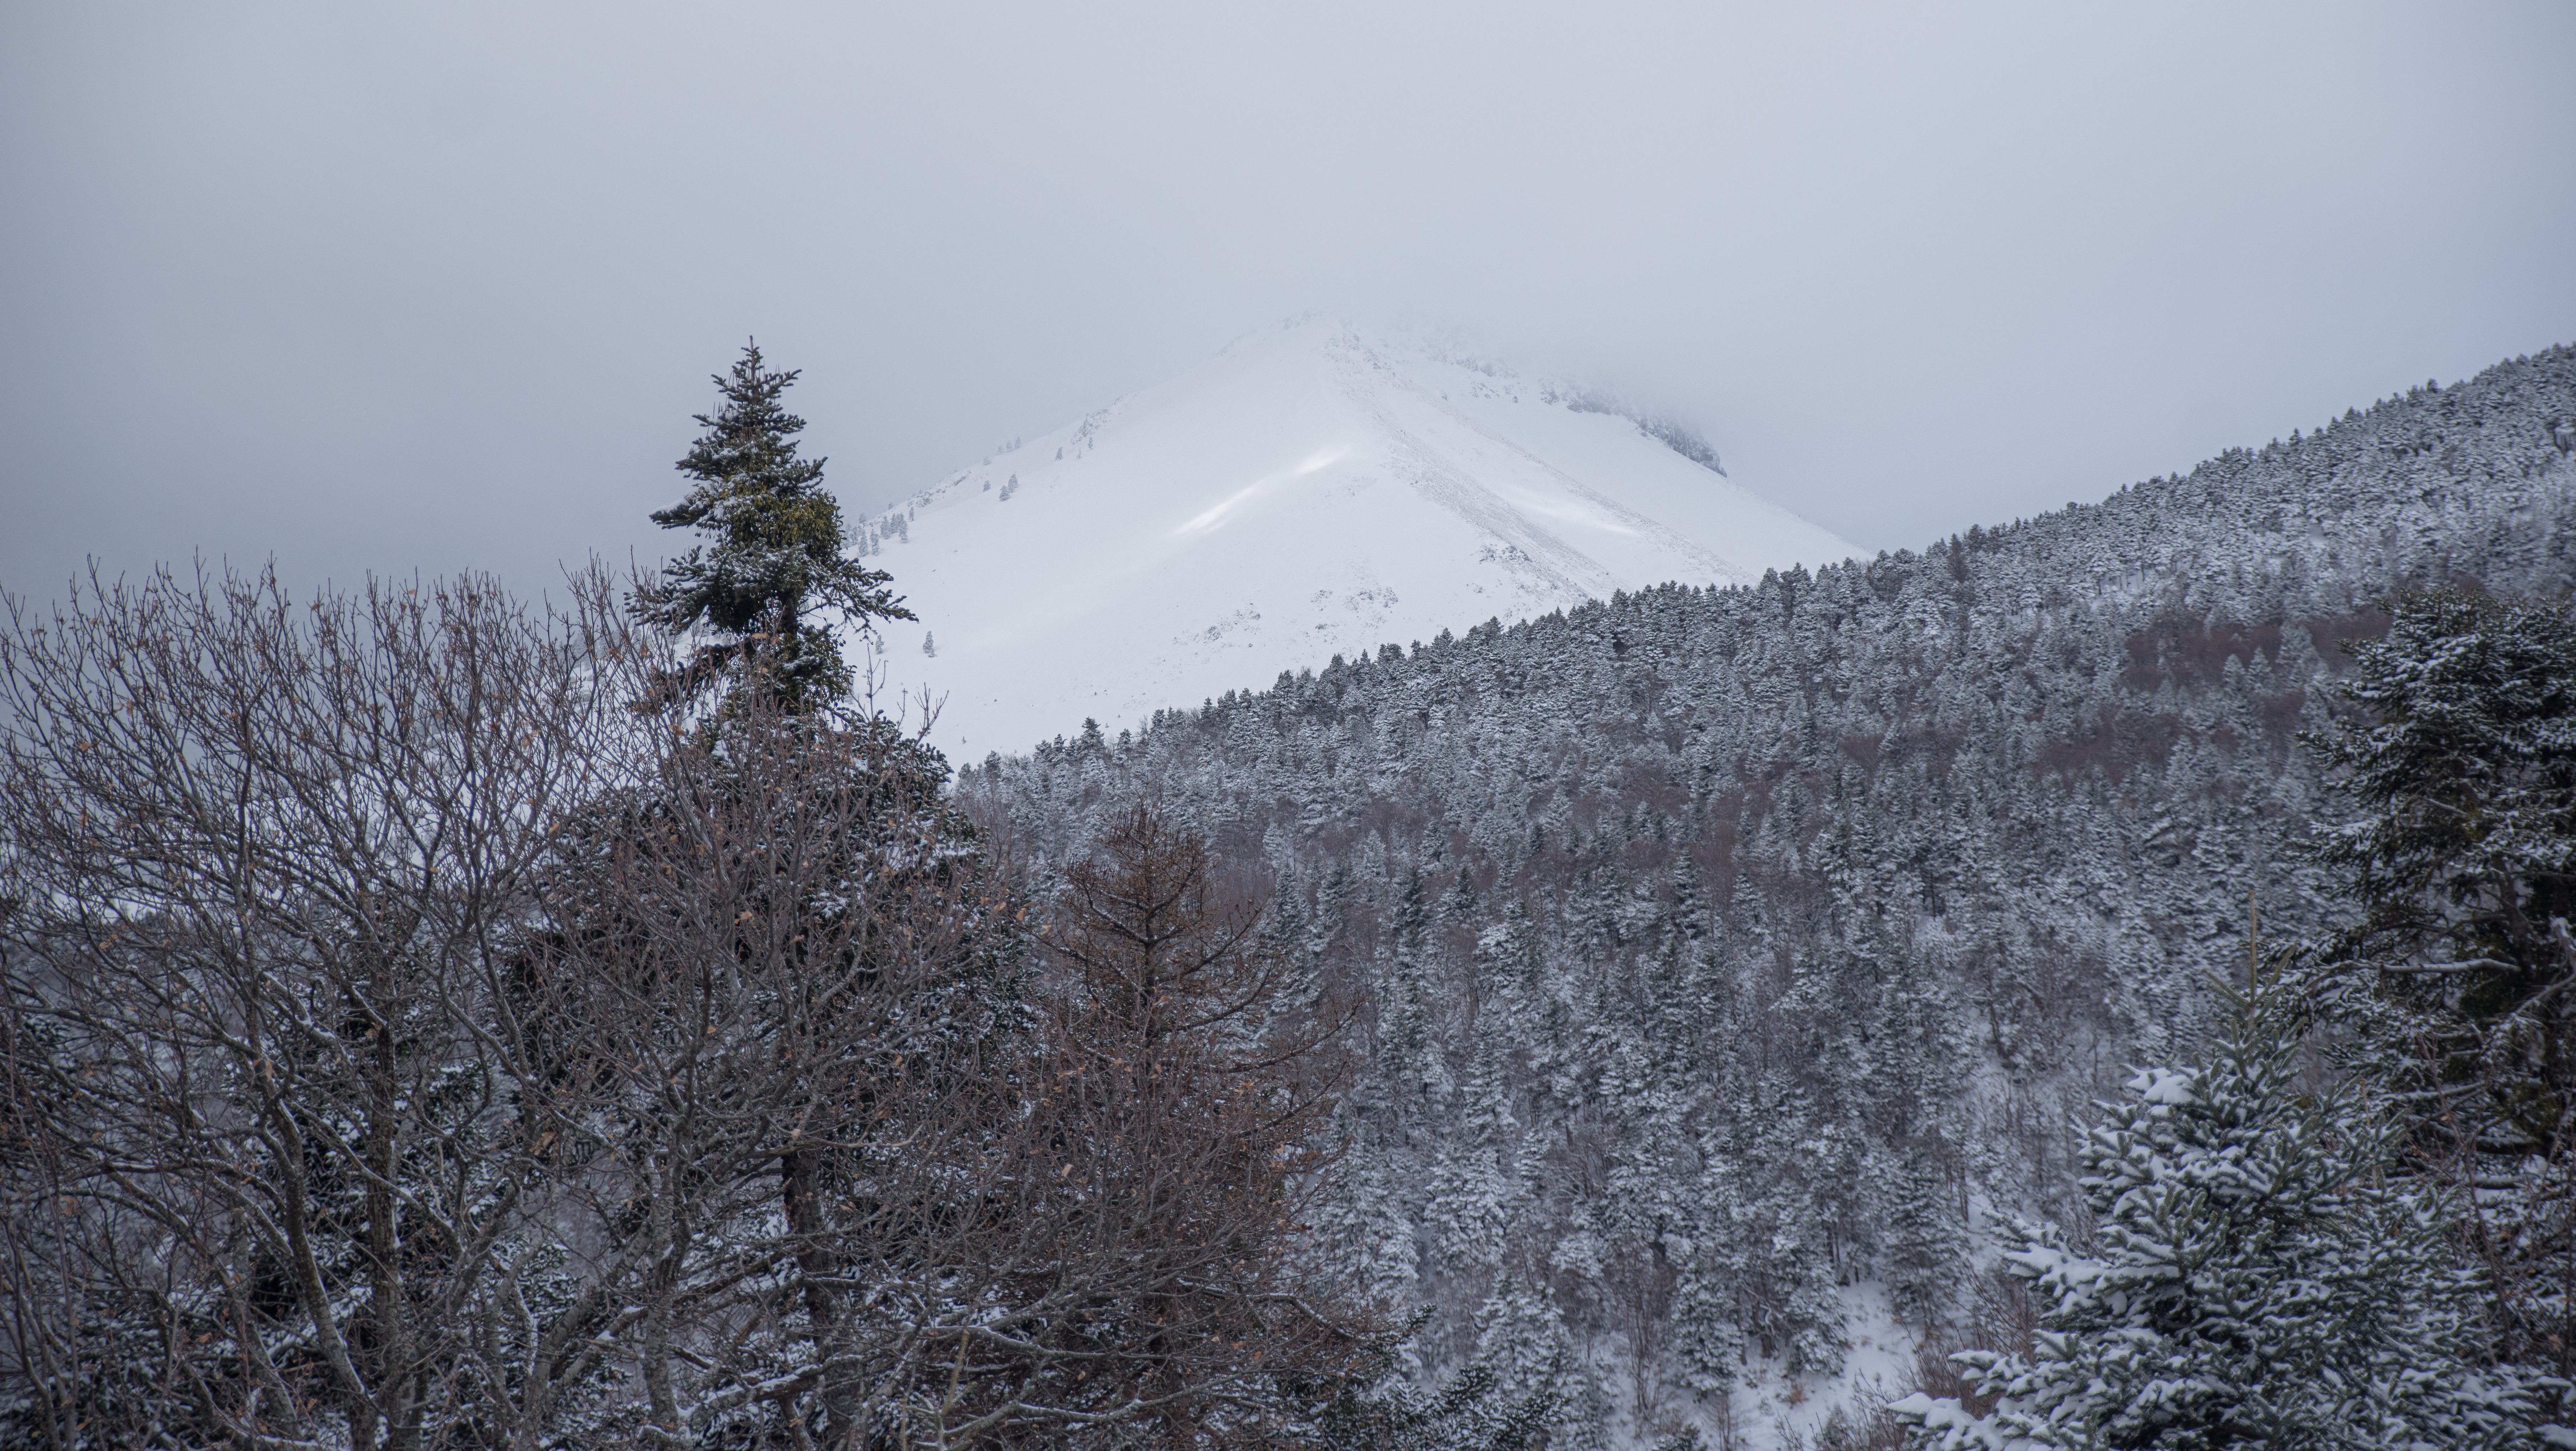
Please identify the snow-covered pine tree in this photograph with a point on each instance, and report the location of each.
(1407, 1054)
(2260, 1273)
(1925, 1245)
(1476, 1189)
(1374, 1244)
(1708, 1348)
(1478, 1409)
(1519, 1335)
(1917, 1085)
(777, 553)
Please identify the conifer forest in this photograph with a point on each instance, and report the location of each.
(2104, 980)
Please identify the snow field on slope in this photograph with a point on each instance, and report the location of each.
(1307, 493)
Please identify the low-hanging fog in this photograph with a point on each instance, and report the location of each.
(401, 288)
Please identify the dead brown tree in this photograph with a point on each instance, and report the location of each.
(1142, 1274)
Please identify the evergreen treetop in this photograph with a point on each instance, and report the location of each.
(775, 554)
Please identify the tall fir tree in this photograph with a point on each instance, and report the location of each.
(775, 557)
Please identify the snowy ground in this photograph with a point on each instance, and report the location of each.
(1310, 491)
(1774, 1410)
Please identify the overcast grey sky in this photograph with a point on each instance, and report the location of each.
(437, 286)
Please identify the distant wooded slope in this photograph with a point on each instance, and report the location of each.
(1732, 948)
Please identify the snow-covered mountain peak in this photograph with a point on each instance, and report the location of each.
(1312, 490)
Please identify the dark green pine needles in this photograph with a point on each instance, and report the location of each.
(774, 558)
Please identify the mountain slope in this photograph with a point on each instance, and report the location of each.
(1310, 492)
(1731, 950)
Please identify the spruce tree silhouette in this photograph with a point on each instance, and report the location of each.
(774, 559)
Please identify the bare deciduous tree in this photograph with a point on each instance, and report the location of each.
(405, 1043)
(795, 983)
(278, 1122)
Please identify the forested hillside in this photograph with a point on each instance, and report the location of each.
(1732, 950)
